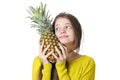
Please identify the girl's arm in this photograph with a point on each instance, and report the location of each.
(46, 71)
(36, 68)
(62, 71)
(88, 71)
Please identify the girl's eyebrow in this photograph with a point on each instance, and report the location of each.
(68, 23)
(56, 25)
(65, 23)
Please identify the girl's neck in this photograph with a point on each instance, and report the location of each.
(72, 56)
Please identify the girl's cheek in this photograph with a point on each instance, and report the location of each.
(56, 35)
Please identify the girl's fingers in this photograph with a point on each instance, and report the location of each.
(64, 50)
(49, 53)
(61, 47)
(45, 50)
(41, 46)
(55, 56)
(58, 51)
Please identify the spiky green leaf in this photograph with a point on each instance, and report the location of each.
(40, 18)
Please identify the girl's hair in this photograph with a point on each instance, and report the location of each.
(76, 27)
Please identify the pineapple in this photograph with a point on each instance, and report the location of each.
(41, 21)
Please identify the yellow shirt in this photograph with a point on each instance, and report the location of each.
(82, 68)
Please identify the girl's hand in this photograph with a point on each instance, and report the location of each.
(42, 53)
(62, 54)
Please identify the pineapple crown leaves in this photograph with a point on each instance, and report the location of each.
(40, 18)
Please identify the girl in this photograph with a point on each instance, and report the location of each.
(69, 65)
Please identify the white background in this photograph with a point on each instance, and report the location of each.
(100, 20)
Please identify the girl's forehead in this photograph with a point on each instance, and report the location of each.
(62, 20)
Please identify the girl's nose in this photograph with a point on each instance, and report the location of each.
(63, 30)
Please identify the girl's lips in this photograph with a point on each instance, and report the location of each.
(63, 36)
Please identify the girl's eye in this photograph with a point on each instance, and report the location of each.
(67, 27)
(56, 29)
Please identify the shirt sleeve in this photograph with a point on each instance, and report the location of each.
(62, 71)
(88, 71)
(36, 68)
(46, 72)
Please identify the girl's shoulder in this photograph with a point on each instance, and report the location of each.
(37, 60)
(86, 57)
(83, 59)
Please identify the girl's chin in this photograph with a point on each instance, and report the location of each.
(64, 42)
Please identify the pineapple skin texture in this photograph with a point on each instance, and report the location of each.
(50, 39)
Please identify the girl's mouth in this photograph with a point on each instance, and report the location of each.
(63, 36)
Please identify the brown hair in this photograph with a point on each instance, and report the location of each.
(76, 27)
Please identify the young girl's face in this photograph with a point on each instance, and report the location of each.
(64, 31)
